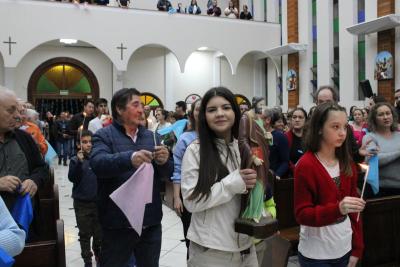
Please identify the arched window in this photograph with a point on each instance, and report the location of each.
(242, 100)
(63, 78)
(152, 100)
(62, 84)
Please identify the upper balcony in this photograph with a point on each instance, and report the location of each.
(32, 23)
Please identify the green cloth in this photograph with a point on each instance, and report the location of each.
(255, 203)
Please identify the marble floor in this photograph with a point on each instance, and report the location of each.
(173, 250)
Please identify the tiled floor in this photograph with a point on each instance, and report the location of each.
(173, 251)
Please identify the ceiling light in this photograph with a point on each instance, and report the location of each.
(203, 48)
(68, 41)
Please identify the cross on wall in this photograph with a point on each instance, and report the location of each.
(10, 43)
(122, 48)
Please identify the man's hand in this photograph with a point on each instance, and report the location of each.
(9, 183)
(80, 155)
(161, 155)
(28, 186)
(140, 157)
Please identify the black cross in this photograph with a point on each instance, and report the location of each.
(9, 44)
(122, 50)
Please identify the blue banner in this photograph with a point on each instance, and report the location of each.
(373, 174)
(22, 212)
(5, 259)
(178, 128)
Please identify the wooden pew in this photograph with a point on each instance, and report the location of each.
(284, 199)
(49, 251)
(381, 222)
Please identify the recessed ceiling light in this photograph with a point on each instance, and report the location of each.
(203, 48)
(68, 41)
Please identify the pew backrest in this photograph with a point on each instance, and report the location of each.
(381, 222)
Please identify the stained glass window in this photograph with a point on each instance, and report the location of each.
(152, 100)
(63, 77)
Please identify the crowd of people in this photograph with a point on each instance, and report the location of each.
(212, 8)
(209, 169)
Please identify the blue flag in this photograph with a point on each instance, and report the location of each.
(50, 155)
(22, 212)
(177, 128)
(373, 174)
(5, 259)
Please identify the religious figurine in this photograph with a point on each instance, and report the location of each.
(254, 149)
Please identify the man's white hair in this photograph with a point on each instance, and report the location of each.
(31, 114)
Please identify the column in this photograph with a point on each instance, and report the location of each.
(9, 81)
(386, 42)
(325, 41)
(258, 78)
(273, 11)
(217, 69)
(170, 98)
(397, 59)
(117, 79)
(272, 99)
(284, 69)
(305, 58)
(348, 51)
(293, 59)
(259, 10)
(371, 41)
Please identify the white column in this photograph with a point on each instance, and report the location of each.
(284, 58)
(258, 78)
(325, 41)
(9, 80)
(1, 70)
(348, 53)
(272, 99)
(272, 10)
(397, 50)
(170, 98)
(371, 45)
(306, 57)
(217, 69)
(117, 79)
(258, 8)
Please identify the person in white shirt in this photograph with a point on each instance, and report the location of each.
(101, 109)
(231, 11)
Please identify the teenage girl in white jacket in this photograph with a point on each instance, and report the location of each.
(212, 184)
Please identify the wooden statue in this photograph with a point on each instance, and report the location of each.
(254, 152)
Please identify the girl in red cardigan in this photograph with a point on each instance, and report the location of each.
(325, 194)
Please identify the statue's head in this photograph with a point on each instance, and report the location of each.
(257, 103)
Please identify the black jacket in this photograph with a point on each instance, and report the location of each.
(84, 180)
(111, 162)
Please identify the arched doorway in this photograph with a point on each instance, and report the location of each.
(62, 84)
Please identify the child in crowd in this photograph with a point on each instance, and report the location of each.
(84, 193)
(212, 184)
(325, 194)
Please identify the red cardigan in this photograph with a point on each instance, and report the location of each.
(316, 198)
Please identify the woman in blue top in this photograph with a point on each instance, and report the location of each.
(12, 238)
(183, 142)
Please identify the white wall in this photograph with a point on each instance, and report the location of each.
(371, 42)
(242, 82)
(156, 70)
(397, 50)
(93, 58)
(325, 41)
(146, 71)
(197, 78)
(1, 70)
